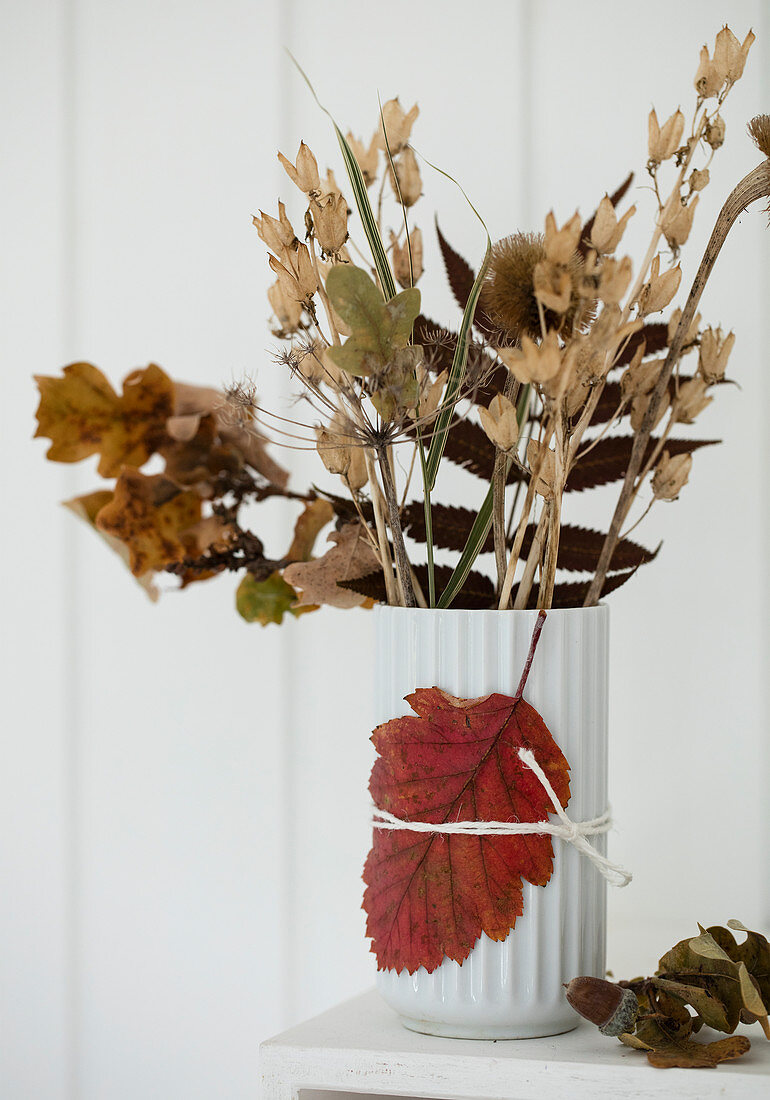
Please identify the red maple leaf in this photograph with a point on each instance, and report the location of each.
(431, 895)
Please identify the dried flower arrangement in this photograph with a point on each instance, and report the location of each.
(561, 377)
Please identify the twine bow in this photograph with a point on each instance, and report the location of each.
(573, 832)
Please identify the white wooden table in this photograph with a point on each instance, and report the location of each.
(360, 1049)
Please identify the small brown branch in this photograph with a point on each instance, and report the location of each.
(755, 185)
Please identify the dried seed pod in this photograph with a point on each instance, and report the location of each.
(500, 423)
(715, 132)
(660, 289)
(671, 476)
(715, 350)
(611, 1007)
(407, 273)
(398, 125)
(663, 141)
(407, 173)
(305, 174)
(367, 158)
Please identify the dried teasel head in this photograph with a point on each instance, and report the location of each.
(508, 296)
(759, 132)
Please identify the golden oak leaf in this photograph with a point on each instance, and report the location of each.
(150, 515)
(82, 415)
(351, 557)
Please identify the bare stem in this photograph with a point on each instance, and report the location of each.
(399, 549)
(548, 577)
(533, 560)
(755, 185)
(382, 534)
(499, 478)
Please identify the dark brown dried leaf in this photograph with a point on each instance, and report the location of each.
(608, 459)
(579, 547)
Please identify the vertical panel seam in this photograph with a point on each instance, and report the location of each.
(71, 680)
(764, 280)
(289, 865)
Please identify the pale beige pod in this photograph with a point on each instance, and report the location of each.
(513, 989)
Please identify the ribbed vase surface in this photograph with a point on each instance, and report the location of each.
(512, 989)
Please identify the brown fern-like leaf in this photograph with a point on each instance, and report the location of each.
(477, 591)
(459, 272)
(468, 445)
(461, 278)
(573, 593)
(451, 525)
(579, 547)
(653, 334)
(607, 460)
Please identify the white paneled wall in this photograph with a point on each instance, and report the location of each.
(182, 796)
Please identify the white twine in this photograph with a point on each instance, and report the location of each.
(573, 832)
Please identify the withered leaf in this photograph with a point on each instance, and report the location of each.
(671, 1052)
(82, 415)
(461, 278)
(350, 557)
(267, 601)
(477, 590)
(149, 514)
(313, 518)
(579, 547)
(608, 459)
(378, 328)
(87, 508)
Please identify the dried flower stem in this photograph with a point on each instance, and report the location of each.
(499, 479)
(533, 560)
(513, 560)
(382, 533)
(548, 577)
(399, 549)
(754, 186)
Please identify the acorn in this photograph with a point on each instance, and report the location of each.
(611, 1007)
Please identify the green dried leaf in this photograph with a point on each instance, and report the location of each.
(379, 328)
(267, 601)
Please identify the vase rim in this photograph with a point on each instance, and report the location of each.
(383, 608)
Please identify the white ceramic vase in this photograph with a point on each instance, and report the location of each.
(512, 989)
